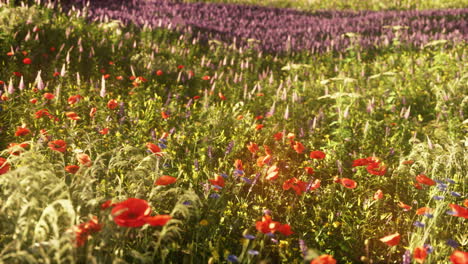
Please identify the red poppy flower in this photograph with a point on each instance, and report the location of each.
(27, 61)
(72, 116)
(259, 127)
(315, 185)
(423, 179)
(180, 67)
(120, 77)
(278, 136)
(41, 113)
(263, 160)
(404, 206)
(18, 152)
(272, 173)
(298, 147)
(84, 230)
(309, 170)
(84, 159)
(159, 73)
(218, 181)
(252, 147)
(4, 166)
(238, 164)
(10, 53)
(164, 115)
(21, 131)
(460, 211)
(72, 169)
(158, 220)
(297, 185)
(376, 168)
(417, 185)
(17, 74)
(112, 104)
(74, 99)
(154, 149)
(285, 230)
(291, 136)
(267, 225)
(165, 180)
(423, 210)
(222, 97)
(131, 212)
(465, 203)
(196, 97)
(407, 162)
(419, 254)
(378, 195)
(104, 131)
(348, 183)
(317, 154)
(459, 257)
(93, 112)
(391, 240)
(106, 204)
(206, 78)
(361, 162)
(33, 101)
(49, 96)
(324, 259)
(58, 145)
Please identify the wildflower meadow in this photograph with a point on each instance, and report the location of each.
(160, 131)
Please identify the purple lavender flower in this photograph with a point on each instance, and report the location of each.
(406, 257)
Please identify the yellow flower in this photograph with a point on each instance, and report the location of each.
(283, 243)
(204, 222)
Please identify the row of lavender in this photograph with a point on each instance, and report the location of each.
(278, 30)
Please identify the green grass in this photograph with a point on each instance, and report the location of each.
(311, 5)
(396, 103)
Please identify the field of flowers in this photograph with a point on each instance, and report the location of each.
(154, 132)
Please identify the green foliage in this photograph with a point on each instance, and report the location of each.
(395, 103)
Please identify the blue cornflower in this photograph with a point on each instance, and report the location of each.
(161, 145)
(438, 198)
(250, 237)
(456, 194)
(429, 215)
(429, 248)
(418, 224)
(450, 181)
(452, 243)
(253, 252)
(238, 172)
(442, 187)
(214, 195)
(232, 258)
(224, 175)
(247, 180)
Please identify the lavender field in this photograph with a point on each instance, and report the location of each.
(152, 131)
